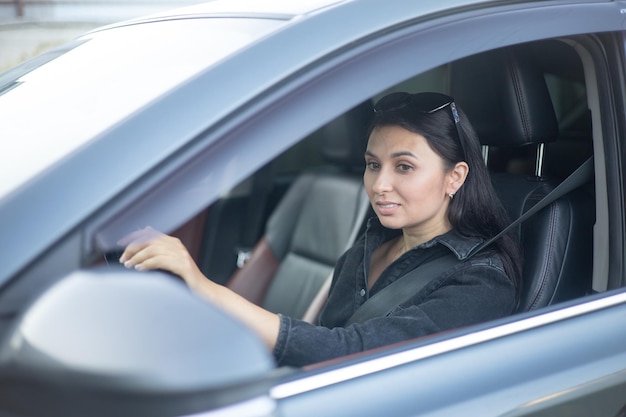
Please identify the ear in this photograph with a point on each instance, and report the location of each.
(456, 177)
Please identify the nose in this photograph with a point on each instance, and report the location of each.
(381, 182)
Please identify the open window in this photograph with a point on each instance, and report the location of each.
(559, 242)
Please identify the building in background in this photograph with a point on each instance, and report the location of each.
(30, 27)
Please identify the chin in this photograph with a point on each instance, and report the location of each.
(390, 223)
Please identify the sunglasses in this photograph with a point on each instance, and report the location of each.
(422, 103)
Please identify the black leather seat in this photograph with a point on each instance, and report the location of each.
(505, 95)
(312, 225)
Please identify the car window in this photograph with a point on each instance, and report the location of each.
(224, 222)
(562, 156)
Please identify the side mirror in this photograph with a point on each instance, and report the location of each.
(111, 341)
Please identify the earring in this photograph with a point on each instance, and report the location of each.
(451, 195)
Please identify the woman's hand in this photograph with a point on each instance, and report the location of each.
(148, 249)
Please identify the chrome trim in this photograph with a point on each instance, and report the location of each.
(539, 160)
(336, 376)
(485, 151)
(256, 407)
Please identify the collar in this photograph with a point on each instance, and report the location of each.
(458, 244)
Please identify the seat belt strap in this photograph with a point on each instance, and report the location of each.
(406, 286)
(576, 179)
(381, 304)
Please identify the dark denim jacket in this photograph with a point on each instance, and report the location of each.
(471, 292)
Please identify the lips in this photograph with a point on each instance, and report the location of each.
(386, 207)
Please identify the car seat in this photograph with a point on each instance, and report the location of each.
(312, 225)
(506, 98)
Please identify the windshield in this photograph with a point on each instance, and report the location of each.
(52, 105)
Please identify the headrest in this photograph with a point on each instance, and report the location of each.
(505, 96)
(344, 139)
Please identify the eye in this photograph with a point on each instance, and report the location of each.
(404, 167)
(372, 165)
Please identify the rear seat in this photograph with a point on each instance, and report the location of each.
(312, 225)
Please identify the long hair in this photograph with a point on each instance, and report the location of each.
(475, 210)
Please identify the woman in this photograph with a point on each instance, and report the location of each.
(432, 196)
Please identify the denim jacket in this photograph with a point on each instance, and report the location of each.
(471, 292)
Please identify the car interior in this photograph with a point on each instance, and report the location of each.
(516, 112)
(275, 238)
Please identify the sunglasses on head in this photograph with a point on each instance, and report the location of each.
(422, 103)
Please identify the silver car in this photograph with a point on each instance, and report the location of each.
(202, 123)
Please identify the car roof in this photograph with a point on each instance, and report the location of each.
(393, 11)
(276, 9)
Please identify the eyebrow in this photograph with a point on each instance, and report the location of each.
(403, 153)
(395, 154)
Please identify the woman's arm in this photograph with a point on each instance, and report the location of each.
(148, 249)
(469, 293)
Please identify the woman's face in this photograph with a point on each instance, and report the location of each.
(407, 182)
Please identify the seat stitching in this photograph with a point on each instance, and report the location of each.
(546, 266)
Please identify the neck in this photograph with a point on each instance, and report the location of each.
(412, 238)
(401, 247)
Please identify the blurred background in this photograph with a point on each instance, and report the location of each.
(30, 27)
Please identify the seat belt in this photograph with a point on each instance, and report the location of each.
(408, 285)
(576, 179)
(381, 304)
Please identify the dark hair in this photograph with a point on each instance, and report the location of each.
(475, 210)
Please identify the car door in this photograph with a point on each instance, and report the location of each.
(560, 359)
(567, 359)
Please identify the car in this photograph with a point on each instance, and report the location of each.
(202, 121)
